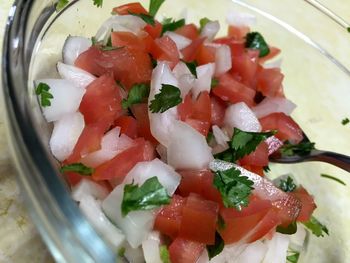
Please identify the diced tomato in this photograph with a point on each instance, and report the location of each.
(190, 31)
(185, 251)
(259, 170)
(168, 220)
(238, 32)
(199, 182)
(191, 51)
(260, 157)
(119, 166)
(287, 128)
(203, 215)
(218, 108)
(274, 51)
(233, 91)
(128, 126)
(102, 101)
(129, 66)
(269, 81)
(135, 8)
(140, 112)
(307, 204)
(154, 31)
(185, 109)
(73, 178)
(239, 223)
(165, 49)
(130, 40)
(237, 46)
(205, 55)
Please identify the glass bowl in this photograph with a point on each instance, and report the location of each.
(317, 79)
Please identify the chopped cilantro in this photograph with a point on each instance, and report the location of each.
(77, 168)
(221, 223)
(98, 3)
(333, 178)
(154, 6)
(61, 4)
(93, 41)
(287, 185)
(255, 40)
(192, 67)
(169, 97)
(45, 96)
(293, 257)
(234, 188)
(164, 254)
(348, 29)
(214, 82)
(266, 169)
(210, 136)
(172, 25)
(203, 22)
(316, 227)
(136, 95)
(121, 252)
(288, 230)
(110, 48)
(302, 149)
(216, 249)
(345, 121)
(147, 196)
(147, 18)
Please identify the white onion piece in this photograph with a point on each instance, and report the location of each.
(162, 123)
(65, 135)
(273, 144)
(239, 115)
(73, 47)
(88, 188)
(205, 74)
(91, 208)
(188, 148)
(272, 105)
(66, 98)
(229, 253)
(180, 41)
(133, 255)
(166, 174)
(135, 225)
(223, 60)
(274, 63)
(218, 148)
(185, 78)
(150, 248)
(161, 150)
(204, 258)
(277, 249)
(80, 78)
(253, 253)
(210, 30)
(240, 19)
(125, 23)
(220, 137)
(297, 240)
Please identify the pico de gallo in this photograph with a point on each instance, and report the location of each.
(164, 132)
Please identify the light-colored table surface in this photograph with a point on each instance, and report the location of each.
(19, 241)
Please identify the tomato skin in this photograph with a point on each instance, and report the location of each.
(154, 31)
(233, 91)
(190, 31)
(205, 55)
(218, 108)
(168, 220)
(165, 49)
(140, 112)
(135, 8)
(269, 81)
(307, 202)
(287, 128)
(130, 40)
(260, 157)
(191, 51)
(128, 126)
(185, 251)
(238, 32)
(237, 46)
(203, 215)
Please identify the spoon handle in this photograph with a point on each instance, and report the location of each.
(339, 160)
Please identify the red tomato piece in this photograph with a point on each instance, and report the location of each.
(168, 220)
(260, 157)
(218, 108)
(73, 178)
(233, 91)
(269, 81)
(128, 126)
(259, 170)
(205, 55)
(165, 49)
(129, 66)
(185, 109)
(287, 128)
(307, 204)
(274, 51)
(185, 251)
(130, 40)
(203, 215)
(102, 101)
(238, 32)
(140, 112)
(237, 46)
(135, 8)
(191, 51)
(154, 31)
(190, 31)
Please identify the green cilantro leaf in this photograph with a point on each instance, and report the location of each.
(192, 67)
(169, 97)
(345, 121)
(154, 6)
(147, 18)
(77, 168)
(172, 25)
(266, 169)
(348, 29)
(61, 4)
(221, 223)
(289, 230)
(136, 95)
(121, 252)
(98, 3)
(333, 178)
(216, 249)
(147, 196)
(210, 136)
(234, 188)
(93, 41)
(293, 257)
(287, 185)
(255, 40)
(214, 82)
(203, 22)
(110, 48)
(164, 254)
(316, 227)
(302, 149)
(45, 96)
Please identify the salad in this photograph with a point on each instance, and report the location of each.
(164, 132)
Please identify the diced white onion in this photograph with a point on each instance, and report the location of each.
(253, 253)
(210, 30)
(274, 63)
(223, 60)
(150, 248)
(80, 78)
(297, 240)
(272, 105)
(228, 253)
(205, 74)
(181, 69)
(66, 98)
(185, 78)
(239, 115)
(65, 135)
(277, 249)
(188, 148)
(73, 47)
(220, 137)
(180, 41)
(134, 255)
(88, 188)
(240, 19)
